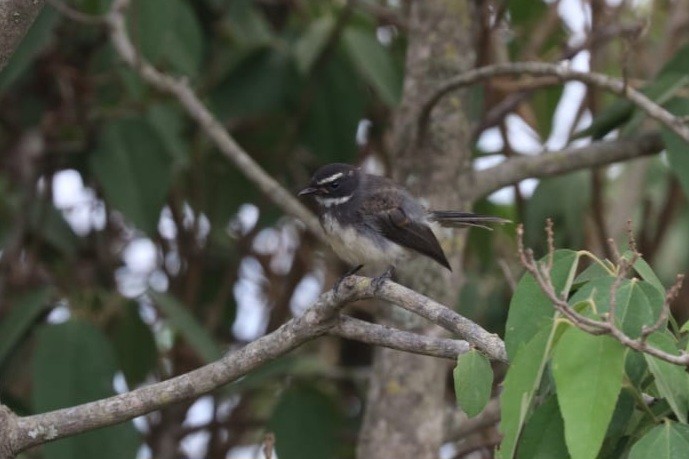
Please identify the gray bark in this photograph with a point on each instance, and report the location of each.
(404, 414)
(16, 16)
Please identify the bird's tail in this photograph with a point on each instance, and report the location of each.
(454, 219)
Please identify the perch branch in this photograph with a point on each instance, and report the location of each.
(19, 433)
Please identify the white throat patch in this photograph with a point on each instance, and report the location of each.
(329, 202)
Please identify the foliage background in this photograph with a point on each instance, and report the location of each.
(163, 255)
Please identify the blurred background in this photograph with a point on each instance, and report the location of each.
(133, 251)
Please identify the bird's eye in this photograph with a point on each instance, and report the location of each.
(335, 185)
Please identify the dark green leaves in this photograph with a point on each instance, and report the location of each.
(305, 423)
(25, 311)
(473, 378)
(374, 63)
(74, 364)
(134, 169)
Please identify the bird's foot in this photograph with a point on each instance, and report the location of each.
(378, 281)
(351, 272)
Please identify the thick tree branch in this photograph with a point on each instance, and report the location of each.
(16, 16)
(561, 162)
(19, 433)
(180, 89)
(382, 335)
(563, 73)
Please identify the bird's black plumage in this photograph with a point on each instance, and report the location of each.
(371, 219)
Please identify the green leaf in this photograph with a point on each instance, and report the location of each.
(134, 169)
(190, 328)
(338, 104)
(667, 441)
(75, 364)
(567, 212)
(646, 272)
(149, 22)
(530, 310)
(258, 84)
(676, 147)
(48, 222)
(588, 373)
(638, 302)
(134, 344)
(169, 122)
(521, 382)
(18, 321)
(183, 41)
(473, 378)
(311, 43)
(544, 434)
(374, 62)
(306, 424)
(671, 380)
(37, 37)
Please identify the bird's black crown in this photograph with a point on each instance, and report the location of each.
(333, 183)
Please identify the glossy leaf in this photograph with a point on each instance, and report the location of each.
(374, 62)
(530, 310)
(473, 377)
(134, 169)
(588, 372)
(667, 441)
(188, 326)
(18, 321)
(74, 364)
(671, 380)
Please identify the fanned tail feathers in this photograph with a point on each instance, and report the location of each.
(455, 219)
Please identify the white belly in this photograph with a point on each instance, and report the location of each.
(357, 250)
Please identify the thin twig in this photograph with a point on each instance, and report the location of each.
(562, 72)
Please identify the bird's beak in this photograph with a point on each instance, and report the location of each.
(308, 190)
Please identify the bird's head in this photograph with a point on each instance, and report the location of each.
(333, 184)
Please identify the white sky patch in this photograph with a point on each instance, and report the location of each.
(200, 413)
(491, 140)
(79, 205)
(252, 314)
(59, 314)
(195, 445)
(139, 255)
(577, 17)
(305, 294)
(506, 195)
(485, 162)
(362, 132)
(523, 139)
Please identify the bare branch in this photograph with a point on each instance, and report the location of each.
(561, 162)
(563, 73)
(16, 17)
(180, 89)
(382, 335)
(20, 433)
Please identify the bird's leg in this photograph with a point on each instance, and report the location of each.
(378, 281)
(351, 272)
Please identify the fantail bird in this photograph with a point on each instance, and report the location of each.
(369, 219)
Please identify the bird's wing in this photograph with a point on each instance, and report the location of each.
(384, 212)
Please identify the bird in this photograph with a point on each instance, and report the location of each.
(371, 220)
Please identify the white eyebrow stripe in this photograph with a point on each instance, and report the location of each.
(329, 179)
(328, 202)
